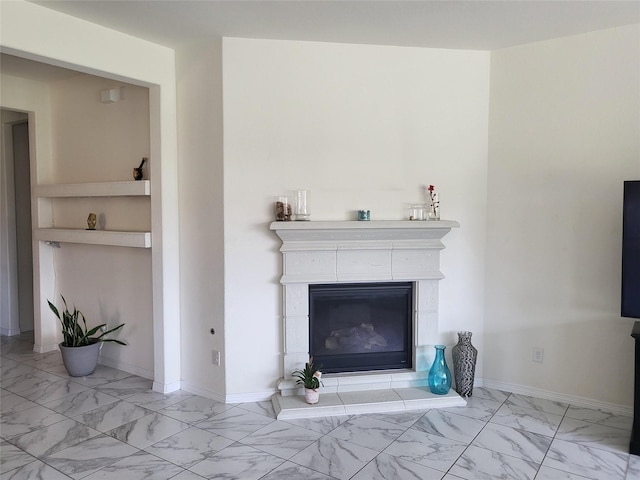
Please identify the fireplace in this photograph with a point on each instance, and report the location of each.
(343, 253)
(361, 326)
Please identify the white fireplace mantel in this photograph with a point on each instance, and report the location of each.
(357, 252)
(369, 230)
(324, 252)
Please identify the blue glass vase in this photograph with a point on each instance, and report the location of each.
(439, 379)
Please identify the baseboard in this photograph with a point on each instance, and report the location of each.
(557, 397)
(250, 397)
(166, 387)
(9, 332)
(45, 348)
(236, 398)
(188, 387)
(125, 367)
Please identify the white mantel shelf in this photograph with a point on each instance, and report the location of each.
(369, 230)
(363, 225)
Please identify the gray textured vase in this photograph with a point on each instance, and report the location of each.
(81, 361)
(464, 364)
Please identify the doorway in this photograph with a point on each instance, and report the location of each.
(16, 256)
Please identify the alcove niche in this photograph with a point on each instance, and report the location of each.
(87, 133)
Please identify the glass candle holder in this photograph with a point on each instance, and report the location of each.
(418, 212)
(301, 210)
(364, 215)
(282, 209)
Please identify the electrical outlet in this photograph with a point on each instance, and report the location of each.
(538, 354)
(215, 357)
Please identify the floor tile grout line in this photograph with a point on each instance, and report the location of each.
(555, 433)
(383, 450)
(476, 436)
(322, 436)
(554, 437)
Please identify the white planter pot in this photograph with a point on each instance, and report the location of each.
(81, 361)
(311, 395)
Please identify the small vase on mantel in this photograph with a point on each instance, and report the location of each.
(464, 364)
(439, 379)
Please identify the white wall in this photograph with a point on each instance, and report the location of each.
(95, 141)
(361, 127)
(564, 134)
(199, 83)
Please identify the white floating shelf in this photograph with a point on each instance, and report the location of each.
(95, 237)
(98, 189)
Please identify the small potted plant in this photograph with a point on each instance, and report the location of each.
(79, 348)
(309, 377)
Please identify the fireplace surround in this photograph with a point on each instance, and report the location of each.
(326, 252)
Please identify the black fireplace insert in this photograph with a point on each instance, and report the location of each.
(361, 326)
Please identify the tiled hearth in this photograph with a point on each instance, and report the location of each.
(361, 252)
(362, 402)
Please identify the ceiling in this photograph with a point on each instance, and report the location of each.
(477, 25)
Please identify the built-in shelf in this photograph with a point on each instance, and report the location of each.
(98, 189)
(130, 188)
(95, 237)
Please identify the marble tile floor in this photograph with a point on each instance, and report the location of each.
(112, 426)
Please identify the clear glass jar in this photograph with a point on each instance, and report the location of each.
(418, 211)
(301, 210)
(282, 209)
(434, 206)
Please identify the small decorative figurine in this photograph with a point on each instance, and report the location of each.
(91, 221)
(137, 171)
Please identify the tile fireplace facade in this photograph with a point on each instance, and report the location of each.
(360, 252)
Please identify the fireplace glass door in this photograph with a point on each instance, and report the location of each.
(361, 327)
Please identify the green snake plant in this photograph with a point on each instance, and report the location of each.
(74, 328)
